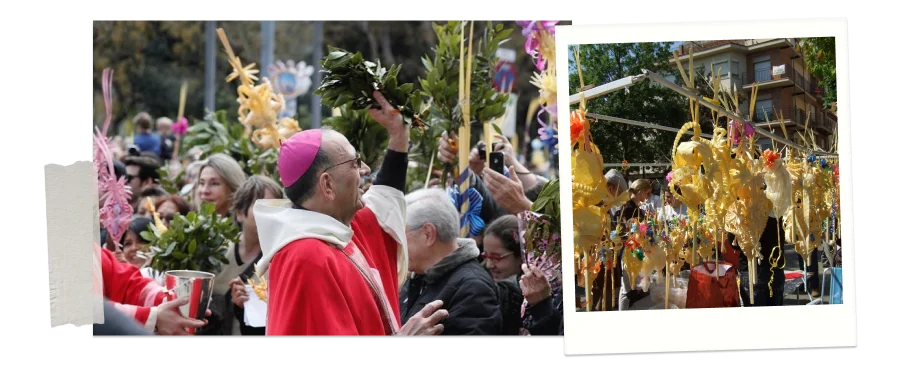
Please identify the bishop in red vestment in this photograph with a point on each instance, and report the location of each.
(334, 256)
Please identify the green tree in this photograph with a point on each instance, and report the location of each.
(820, 55)
(644, 101)
(151, 59)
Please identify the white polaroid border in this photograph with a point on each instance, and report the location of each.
(708, 329)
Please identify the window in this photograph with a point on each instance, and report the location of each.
(735, 69)
(720, 68)
(763, 109)
(762, 71)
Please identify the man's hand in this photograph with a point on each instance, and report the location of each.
(170, 321)
(425, 323)
(238, 292)
(476, 163)
(507, 192)
(535, 286)
(506, 148)
(390, 118)
(447, 151)
(435, 179)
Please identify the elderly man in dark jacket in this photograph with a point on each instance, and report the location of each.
(445, 267)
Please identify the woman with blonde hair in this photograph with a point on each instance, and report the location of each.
(640, 192)
(219, 177)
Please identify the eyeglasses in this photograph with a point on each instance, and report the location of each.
(495, 258)
(357, 161)
(129, 178)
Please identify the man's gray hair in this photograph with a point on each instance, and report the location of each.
(616, 179)
(432, 206)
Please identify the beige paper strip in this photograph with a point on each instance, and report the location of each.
(74, 266)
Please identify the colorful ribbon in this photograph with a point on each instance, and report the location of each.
(472, 217)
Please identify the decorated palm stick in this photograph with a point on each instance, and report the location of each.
(159, 225)
(258, 106)
(465, 86)
(489, 126)
(590, 194)
(116, 211)
(246, 74)
(259, 285)
(180, 126)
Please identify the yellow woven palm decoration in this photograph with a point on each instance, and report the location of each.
(589, 187)
(259, 105)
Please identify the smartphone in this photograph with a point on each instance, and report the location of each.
(497, 162)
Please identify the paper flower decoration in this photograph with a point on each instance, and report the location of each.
(291, 80)
(180, 127)
(536, 33)
(738, 131)
(576, 126)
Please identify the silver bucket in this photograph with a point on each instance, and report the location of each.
(196, 285)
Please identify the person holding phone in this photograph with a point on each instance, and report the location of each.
(448, 153)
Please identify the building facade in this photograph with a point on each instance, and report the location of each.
(786, 89)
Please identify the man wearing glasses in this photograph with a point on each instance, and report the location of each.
(142, 172)
(335, 255)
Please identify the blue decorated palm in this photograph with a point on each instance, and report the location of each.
(472, 217)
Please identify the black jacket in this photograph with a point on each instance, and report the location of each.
(511, 301)
(467, 290)
(545, 318)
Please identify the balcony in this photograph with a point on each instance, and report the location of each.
(768, 116)
(801, 82)
(829, 125)
(767, 79)
(818, 122)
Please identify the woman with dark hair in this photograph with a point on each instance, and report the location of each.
(170, 206)
(503, 258)
(154, 193)
(134, 243)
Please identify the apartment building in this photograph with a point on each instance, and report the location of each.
(785, 86)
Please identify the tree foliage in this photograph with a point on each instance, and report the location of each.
(368, 137)
(216, 134)
(152, 58)
(820, 55)
(644, 101)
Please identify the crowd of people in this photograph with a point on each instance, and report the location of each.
(344, 252)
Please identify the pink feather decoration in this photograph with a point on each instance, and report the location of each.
(116, 210)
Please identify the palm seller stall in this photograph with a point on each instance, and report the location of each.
(730, 187)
